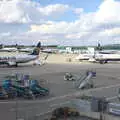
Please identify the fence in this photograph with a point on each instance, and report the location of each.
(82, 106)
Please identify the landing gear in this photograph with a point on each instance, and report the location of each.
(106, 61)
(8, 65)
(16, 65)
(103, 61)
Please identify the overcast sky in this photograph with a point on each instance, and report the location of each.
(63, 22)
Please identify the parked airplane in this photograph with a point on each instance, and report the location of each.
(87, 55)
(22, 58)
(49, 50)
(12, 49)
(26, 50)
(102, 56)
(106, 57)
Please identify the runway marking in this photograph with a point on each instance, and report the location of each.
(49, 111)
(109, 76)
(31, 108)
(61, 97)
(22, 108)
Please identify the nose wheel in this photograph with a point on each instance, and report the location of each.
(16, 65)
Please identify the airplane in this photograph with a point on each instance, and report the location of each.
(49, 50)
(12, 49)
(106, 57)
(84, 56)
(101, 56)
(87, 55)
(21, 58)
(26, 50)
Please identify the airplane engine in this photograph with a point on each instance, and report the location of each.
(12, 63)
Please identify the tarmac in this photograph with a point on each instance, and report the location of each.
(51, 76)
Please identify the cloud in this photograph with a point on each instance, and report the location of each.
(17, 11)
(53, 9)
(5, 34)
(13, 28)
(111, 32)
(78, 11)
(81, 25)
(108, 12)
(53, 27)
(87, 29)
(27, 11)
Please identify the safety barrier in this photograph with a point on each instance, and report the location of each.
(85, 109)
(114, 109)
(81, 105)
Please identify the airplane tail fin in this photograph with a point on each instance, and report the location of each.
(36, 50)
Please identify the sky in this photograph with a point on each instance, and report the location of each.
(60, 22)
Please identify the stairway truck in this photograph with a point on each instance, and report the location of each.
(10, 91)
(22, 91)
(87, 83)
(14, 90)
(3, 94)
(91, 72)
(37, 90)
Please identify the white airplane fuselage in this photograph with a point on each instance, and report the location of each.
(102, 57)
(26, 50)
(14, 60)
(85, 56)
(8, 49)
(21, 58)
(107, 57)
(25, 58)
